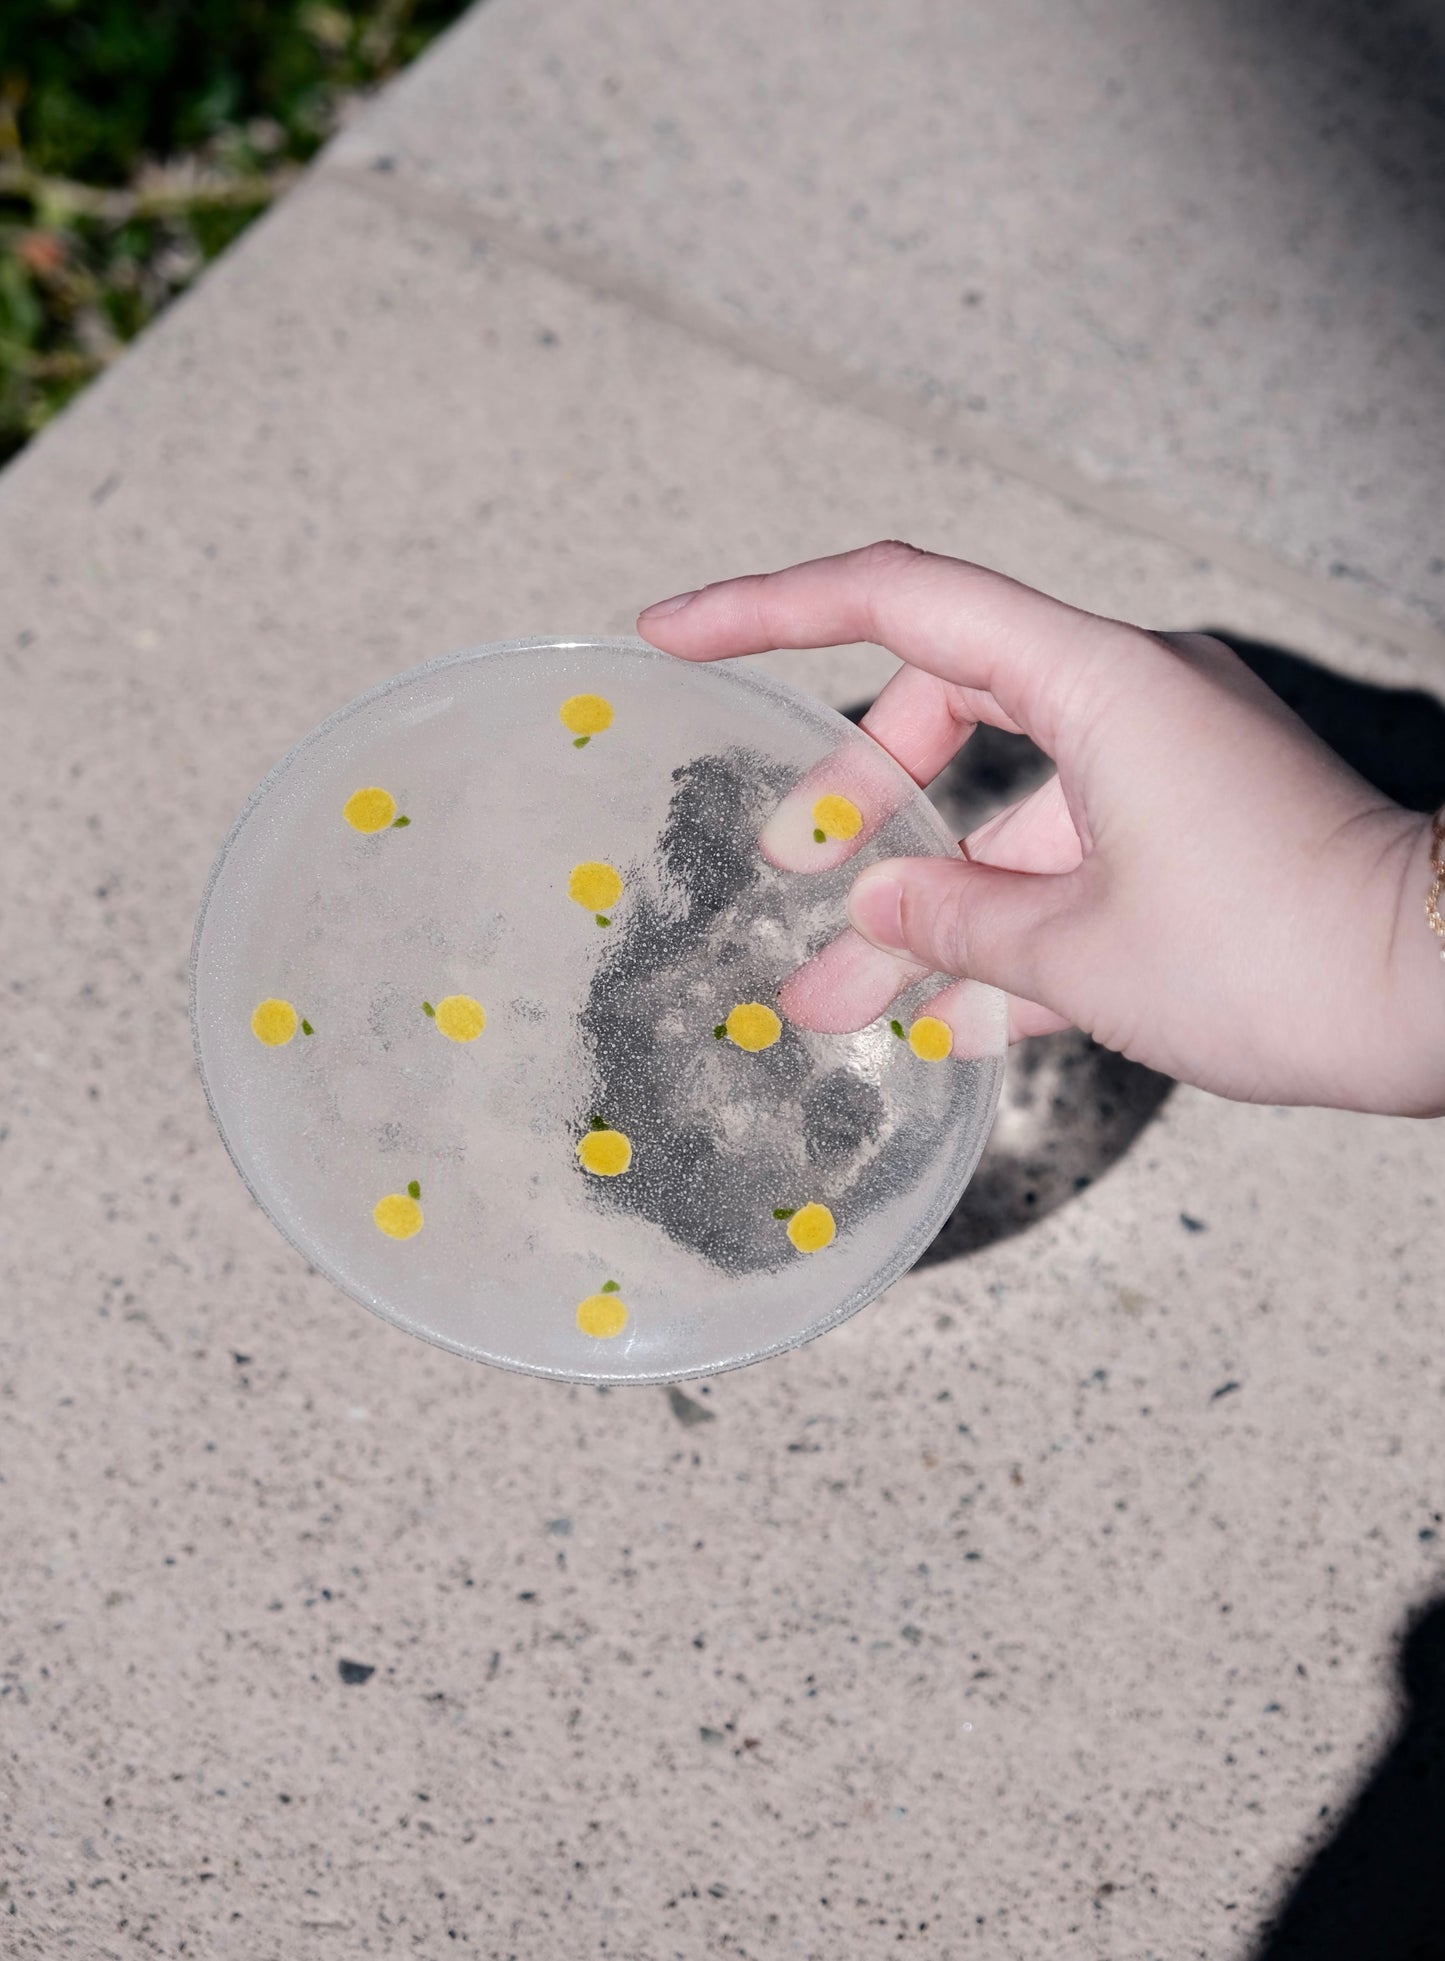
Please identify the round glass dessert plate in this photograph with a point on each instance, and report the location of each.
(483, 991)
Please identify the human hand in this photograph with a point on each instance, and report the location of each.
(1202, 886)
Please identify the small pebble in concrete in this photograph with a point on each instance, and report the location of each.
(686, 1410)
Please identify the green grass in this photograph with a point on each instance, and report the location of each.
(138, 138)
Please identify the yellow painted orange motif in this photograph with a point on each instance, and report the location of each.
(369, 810)
(812, 1228)
(605, 1153)
(752, 1026)
(595, 886)
(398, 1215)
(274, 1023)
(930, 1038)
(586, 715)
(836, 817)
(602, 1315)
(460, 1018)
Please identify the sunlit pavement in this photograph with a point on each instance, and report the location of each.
(1051, 1606)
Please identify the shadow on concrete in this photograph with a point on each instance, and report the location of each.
(1376, 1892)
(1365, 78)
(1070, 1109)
(1394, 737)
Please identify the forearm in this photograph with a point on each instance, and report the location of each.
(1412, 1078)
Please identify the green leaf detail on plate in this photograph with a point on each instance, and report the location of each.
(784, 1211)
(428, 1009)
(598, 1123)
(819, 837)
(602, 919)
(400, 823)
(581, 741)
(720, 1031)
(897, 1027)
(307, 1029)
(413, 1190)
(610, 1287)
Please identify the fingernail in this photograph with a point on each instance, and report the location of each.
(875, 906)
(665, 606)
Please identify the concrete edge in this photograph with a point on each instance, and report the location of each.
(932, 417)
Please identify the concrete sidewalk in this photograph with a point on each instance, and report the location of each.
(1048, 1608)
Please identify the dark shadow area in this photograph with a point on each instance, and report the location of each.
(1355, 90)
(1389, 121)
(1376, 1892)
(1069, 1108)
(1394, 737)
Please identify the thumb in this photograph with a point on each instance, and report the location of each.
(997, 926)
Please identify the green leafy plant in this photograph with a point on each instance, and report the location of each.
(138, 138)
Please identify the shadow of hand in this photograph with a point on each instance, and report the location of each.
(1377, 1890)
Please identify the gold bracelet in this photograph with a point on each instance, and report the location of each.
(1437, 865)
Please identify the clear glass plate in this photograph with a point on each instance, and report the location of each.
(600, 1183)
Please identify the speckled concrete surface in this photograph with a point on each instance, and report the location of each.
(1048, 1608)
(1196, 251)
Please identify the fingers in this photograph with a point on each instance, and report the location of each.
(916, 916)
(846, 986)
(923, 722)
(976, 647)
(1003, 927)
(1026, 1018)
(975, 1015)
(1036, 834)
(959, 622)
(982, 1020)
(842, 990)
(850, 984)
(833, 811)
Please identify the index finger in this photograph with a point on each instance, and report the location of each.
(960, 622)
